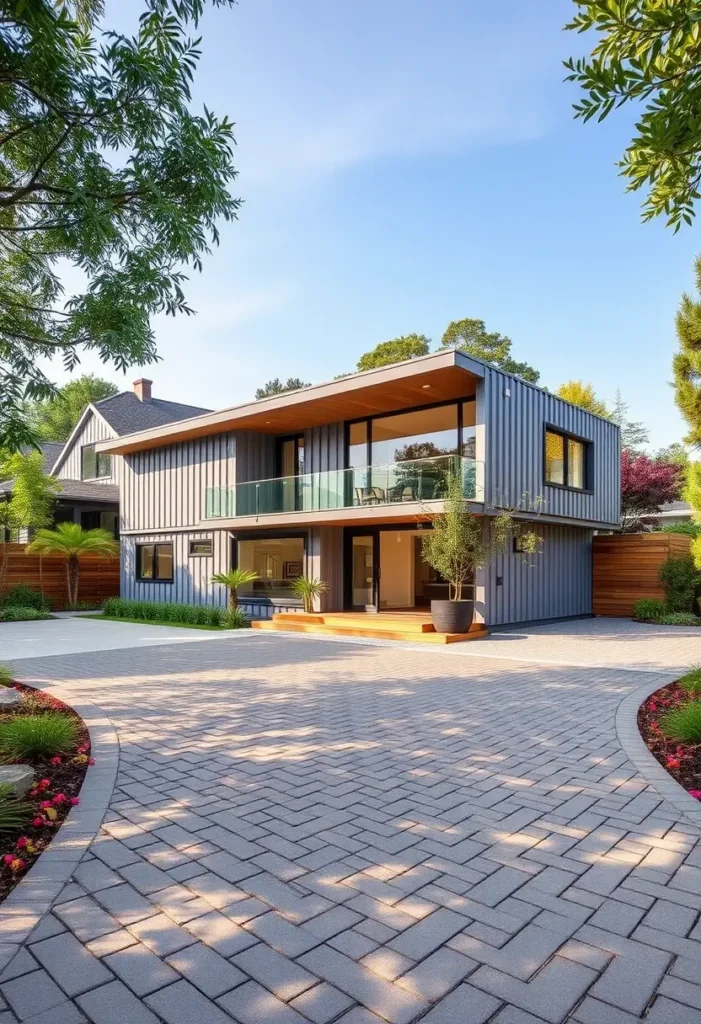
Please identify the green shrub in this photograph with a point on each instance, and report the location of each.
(18, 614)
(680, 619)
(5, 675)
(14, 813)
(688, 529)
(648, 608)
(235, 618)
(691, 681)
(22, 596)
(683, 724)
(680, 578)
(29, 736)
(164, 611)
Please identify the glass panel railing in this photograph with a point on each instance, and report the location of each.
(414, 480)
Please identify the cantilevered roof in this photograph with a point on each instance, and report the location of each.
(434, 378)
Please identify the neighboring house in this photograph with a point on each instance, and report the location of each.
(338, 481)
(89, 481)
(671, 514)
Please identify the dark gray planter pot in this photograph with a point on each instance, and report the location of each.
(452, 616)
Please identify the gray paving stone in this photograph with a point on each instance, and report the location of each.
(115, 1004)
(287, 938)
(252, 1004)
(161, 935)
(86, 919)
(182, 1003)
(670, 917)
(437, 974)
(276, 972)
(465, 1003)
(220, 933)
(70, 964)
(430, 933)
(32, 994)
(140, 969)
(322, 1003)
(125, 904)
(207, 970)
(667, 1011)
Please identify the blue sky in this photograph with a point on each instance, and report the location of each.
(405, 164)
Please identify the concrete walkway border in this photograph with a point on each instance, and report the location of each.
(649, 767)
(34, 896)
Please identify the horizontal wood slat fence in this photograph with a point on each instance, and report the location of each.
(626, 568)
(99, 576)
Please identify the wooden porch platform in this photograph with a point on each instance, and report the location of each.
(413, 626)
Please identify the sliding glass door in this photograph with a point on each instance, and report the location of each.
(362, 571)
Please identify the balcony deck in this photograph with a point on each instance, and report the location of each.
(412, 626)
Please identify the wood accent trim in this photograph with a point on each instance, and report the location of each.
(99, 576)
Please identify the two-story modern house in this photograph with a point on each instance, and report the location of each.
(338, 481)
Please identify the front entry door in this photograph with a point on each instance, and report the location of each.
(362, 571)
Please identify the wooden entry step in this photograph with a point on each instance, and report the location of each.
(410, 626)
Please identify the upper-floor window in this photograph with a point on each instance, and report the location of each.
(428, 433)
(566, 459)
(94, 465)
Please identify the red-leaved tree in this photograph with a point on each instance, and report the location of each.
(646, 485)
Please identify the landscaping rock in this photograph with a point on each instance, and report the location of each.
(9, 697)
(19, 776)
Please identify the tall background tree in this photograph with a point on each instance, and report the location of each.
(276, 387)
(647, 53)
(395, 351)
(580, 393)
(30, 505)
(54, 418)
(105, 166)
(471, 336)
(634, 434)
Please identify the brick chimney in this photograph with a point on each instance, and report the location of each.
(142, 389)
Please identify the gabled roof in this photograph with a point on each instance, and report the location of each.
(126, 413)
(51, 451)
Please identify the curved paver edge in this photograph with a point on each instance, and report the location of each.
(649, 767)
(33, 897)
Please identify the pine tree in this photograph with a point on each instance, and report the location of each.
(687, 361)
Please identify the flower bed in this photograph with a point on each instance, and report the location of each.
(682, 759)
(57, 781)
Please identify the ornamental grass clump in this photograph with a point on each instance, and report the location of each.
(648, 609)
(691, 681)
(27, 737)
(683, 724)
(14, 813)
(5, 675)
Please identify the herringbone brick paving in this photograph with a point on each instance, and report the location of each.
(305, 831)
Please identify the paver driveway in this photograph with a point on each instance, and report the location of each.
(318, 831)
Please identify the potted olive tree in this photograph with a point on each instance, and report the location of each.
(461, 542)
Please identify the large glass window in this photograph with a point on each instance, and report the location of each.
(420, 434)
(94, 465)
(565, 460)
(275, 560)
(469, 421)
(358, 444)
(154, 562)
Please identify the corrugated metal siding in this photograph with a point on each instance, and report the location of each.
(555, 583)
(94, 429)
(165, 487)
(324, 448)
(255, 456)
(514, 452)
(191, 574)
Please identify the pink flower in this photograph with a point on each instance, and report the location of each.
(673, 762)
(55, 760)
(38, 822)
(22, 842)
(60, 798)
(91, 760)
(44, 804)
(74, 801)
(696, 793)
(17, 864)
(8, 858)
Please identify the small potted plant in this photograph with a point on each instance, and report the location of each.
(459, 543)
(308, 590)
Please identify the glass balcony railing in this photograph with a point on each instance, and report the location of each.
(415, 480)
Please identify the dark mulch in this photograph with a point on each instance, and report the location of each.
(65, 778)
(681, 760)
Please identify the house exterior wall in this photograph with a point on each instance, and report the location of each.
(514, 455)
(191, 573)
(553, 584)
(94, 429)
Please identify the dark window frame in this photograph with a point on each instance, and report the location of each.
(457, 402)
(200, 554)
(106, 461)
(567, 435)
(155, 578)
(273, 534)
(279, 442)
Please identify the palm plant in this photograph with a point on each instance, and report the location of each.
(73, 542)
(233, 579)
(308, 589)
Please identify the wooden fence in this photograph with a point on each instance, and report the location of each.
(99, 576)
(626, 568)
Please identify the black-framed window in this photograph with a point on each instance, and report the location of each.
(154, 562)
(91, 519)
(94, 465)
(198, 548)
(567, 458)
(444, 428)
(277, 559)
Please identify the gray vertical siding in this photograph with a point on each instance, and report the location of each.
(255, 456)
(514, 456)
(553, 584)
(191, 573)
(325, 562)
(324, 448)
(165, 487)
(94, 429)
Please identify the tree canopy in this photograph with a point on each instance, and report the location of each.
(647, 53)
(646, 485)
(471, 337)
(581, 393)
(276, 387)
(103, 167)
(687, 361)
(54, 418)
(32, 501)
(395, 351)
